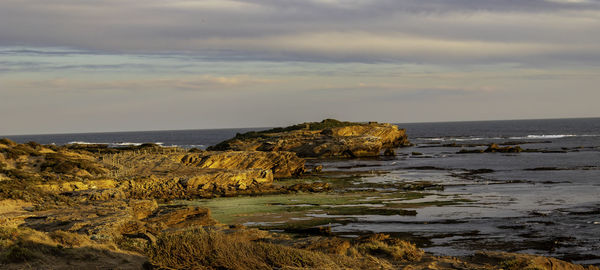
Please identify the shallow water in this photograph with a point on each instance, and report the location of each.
(544, 202)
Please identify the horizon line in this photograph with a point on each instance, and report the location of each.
(166, 130)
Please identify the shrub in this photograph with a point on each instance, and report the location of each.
(8, 142)
(59, 163)
(16, 254)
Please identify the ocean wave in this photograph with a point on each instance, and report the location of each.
(79, 142)
(460, 139)
(545, 136)
(188, 146)
(114, 144)
(195, 146)
(528, 137)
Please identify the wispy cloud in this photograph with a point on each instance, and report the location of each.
(196, 83)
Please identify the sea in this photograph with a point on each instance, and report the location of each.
(544, 200)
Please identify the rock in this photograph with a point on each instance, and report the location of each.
(110, 220)
(68, 186)
(329, 138)
(99, 194)
(242, 186)
(507, 149)
(470, 151)
(283, 164)
(141, 209)
(309, 187)
(181, 216)
(14, 212)
(225, 179)
(102, 220)
(523, 261)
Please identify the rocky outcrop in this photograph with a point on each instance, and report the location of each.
(196, 182)
(329, 138)
(98, 220)
(282, 164)
(493, 148)
(31, 171)
(503, 260)
(177, 216)
(113, 219)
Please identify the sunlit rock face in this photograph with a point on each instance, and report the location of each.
(328, 138)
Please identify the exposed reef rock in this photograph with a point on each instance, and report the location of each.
(283, 164)
(506, 149)
(37, 173)
(329, 138)
(493, 148)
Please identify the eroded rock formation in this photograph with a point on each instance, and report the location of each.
(329, 138)
(96, 173)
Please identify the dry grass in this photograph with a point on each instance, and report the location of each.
(383, 245)
(206, 249)
(23, 248)
(209, 249)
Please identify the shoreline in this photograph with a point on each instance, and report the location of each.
(88, 194)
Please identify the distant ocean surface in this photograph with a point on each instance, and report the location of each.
(584, 129)
(199, 138)
(545, 201)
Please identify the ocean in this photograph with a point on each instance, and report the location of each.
(544, 200)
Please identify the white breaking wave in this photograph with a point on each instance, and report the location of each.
(461, 139)
(78, 142)
(199, 146)
(117, 144)
(548, 136)
(195, 145)
(528, 137)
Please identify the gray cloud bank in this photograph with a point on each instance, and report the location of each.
(433, 31)
(108, 65)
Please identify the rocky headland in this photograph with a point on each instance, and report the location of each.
(91, 206)
(326, 139)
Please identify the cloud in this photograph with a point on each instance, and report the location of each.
(434, 31)
(196, 83)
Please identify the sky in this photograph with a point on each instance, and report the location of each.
(122, 65)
